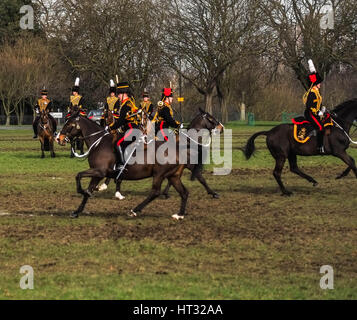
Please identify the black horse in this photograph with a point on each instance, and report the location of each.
(197, 123)
(282, 145)
(102, 159)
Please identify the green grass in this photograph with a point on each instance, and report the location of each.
(249, 244)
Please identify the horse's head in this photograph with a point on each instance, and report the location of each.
(44, 116)
(206, 121)
(70, 130)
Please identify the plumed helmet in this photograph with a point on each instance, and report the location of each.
(112, 88)
(75, 88)
(314, 77)
(166, 92)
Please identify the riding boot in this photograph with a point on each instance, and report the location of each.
(120, 158)
(320, 142)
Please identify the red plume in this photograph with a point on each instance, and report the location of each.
(313, 78)
(167, 92)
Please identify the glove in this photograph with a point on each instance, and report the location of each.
(106, 128)
(181, 126)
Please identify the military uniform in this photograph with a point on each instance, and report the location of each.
(112, 104)
(314, 112)
(164, 117)
(76, 101)
(43, 105)
(147, 106)
(126, 120)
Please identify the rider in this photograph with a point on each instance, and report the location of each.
(112, 103)
(146, 105)
(76, 100)
(126, 122)
(43, 104)
(317, 115)
(164, 116)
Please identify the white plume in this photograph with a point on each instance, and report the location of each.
(76, 83)
(112, 84)
(117, 78)
(311, 66)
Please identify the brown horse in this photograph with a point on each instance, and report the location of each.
(202, 120)
(101, 158)
(45, 133)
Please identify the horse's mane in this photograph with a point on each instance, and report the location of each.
(344, 105)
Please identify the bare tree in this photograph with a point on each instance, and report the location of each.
(296, 25)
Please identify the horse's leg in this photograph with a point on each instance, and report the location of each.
(118, 195)
(104, 186)
(42, 147)
(93, 183)
(180, 188)
(344, 173)
(90, 173)
(72, 148)
(202, 180)
(279, 165)
(295, 169)
(80, 146)
(154, 193)
(166, 191)
(53, 155)
(348, 160)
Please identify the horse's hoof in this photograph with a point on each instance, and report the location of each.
(103, 187)
(119, 196)
(215, 196)
(132, 214)
(177, 217)
(315, 184)
(74, 215)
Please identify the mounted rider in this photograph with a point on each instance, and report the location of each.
(146, 105)
(164, 117)
(112, 105)
(76, 100)
(314, 112)
(43, 104)
(126, 121)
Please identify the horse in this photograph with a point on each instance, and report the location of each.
(197, 123)
(101, 158)
(282, 145)
(45, 133)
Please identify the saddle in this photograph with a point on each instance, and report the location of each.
(303, 129)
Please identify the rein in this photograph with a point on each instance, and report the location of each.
(94, 145)
(349, 138)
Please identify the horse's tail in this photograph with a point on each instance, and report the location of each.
(46, 144)
(250, 146)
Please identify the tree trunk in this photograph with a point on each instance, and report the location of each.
(224, 111)
(209, 101)
(7, 120)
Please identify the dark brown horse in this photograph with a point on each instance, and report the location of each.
(282, 145)
(202, 120)
(45, 133)
(102, 159)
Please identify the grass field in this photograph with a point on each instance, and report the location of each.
(251, 243)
